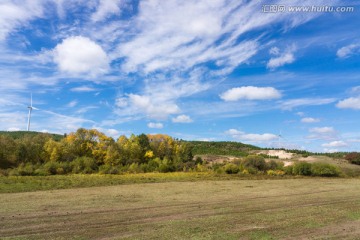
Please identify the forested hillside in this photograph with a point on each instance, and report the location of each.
(222, 148)
(22, 134)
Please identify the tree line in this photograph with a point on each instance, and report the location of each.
(89, 150)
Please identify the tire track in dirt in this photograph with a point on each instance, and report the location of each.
(194, 204)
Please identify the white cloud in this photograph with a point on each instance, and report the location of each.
(292, 103)
(154, 110)
(121, 102)
(85, 109)
(72, 104)
(112, 132)
(160, 96)
(13, 129)
(325, 133)
(352, 103)
(322, 130)
(335, 144)
(155, 125)
(355, 90)
(251, 137)
(250, 93)
(182, 119)
(348, 50)
(83, 89)
(281, 59)
(310, 120)
(274, 51)
(80, 55)
(331, 150)
(106, 9)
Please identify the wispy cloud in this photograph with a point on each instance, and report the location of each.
(293, 103)
(83, 89)
(155, 125)
(106, 9)
(251, 137)
(13, 15)
(310, 120)
(348, 50)
(335, 144)
(160, 96)
(281, 58)
(72, 104)
(85, 109)
(323, 133)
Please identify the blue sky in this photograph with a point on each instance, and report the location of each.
(196, 70)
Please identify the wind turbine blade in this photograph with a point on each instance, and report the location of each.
(35, 108)
(31, 100)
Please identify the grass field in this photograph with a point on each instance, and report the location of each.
(13, 184)
(311, 208)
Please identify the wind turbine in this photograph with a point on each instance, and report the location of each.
(30, 110)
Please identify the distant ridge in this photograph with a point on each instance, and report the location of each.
(237, 149)
(21, 134)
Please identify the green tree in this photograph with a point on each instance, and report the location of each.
(113, 157)
(7, 152)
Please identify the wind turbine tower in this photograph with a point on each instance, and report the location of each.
(29, 115)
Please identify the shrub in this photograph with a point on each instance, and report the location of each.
(108, 169)
(231, 168)
(51, 167)
(275, 172)
(219, 170)
(288, 169)
(198, 160)
(84, 165)
(166, 166)
(252, 170)
(4, 172)
(134, 168)
(245, 172)
(26, 169)
(302, 168)
(41, 172)
(14, 172)
(255, 161)
(272, 165)
(201, 168)
(324, 170)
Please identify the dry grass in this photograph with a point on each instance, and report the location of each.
(235, 209)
